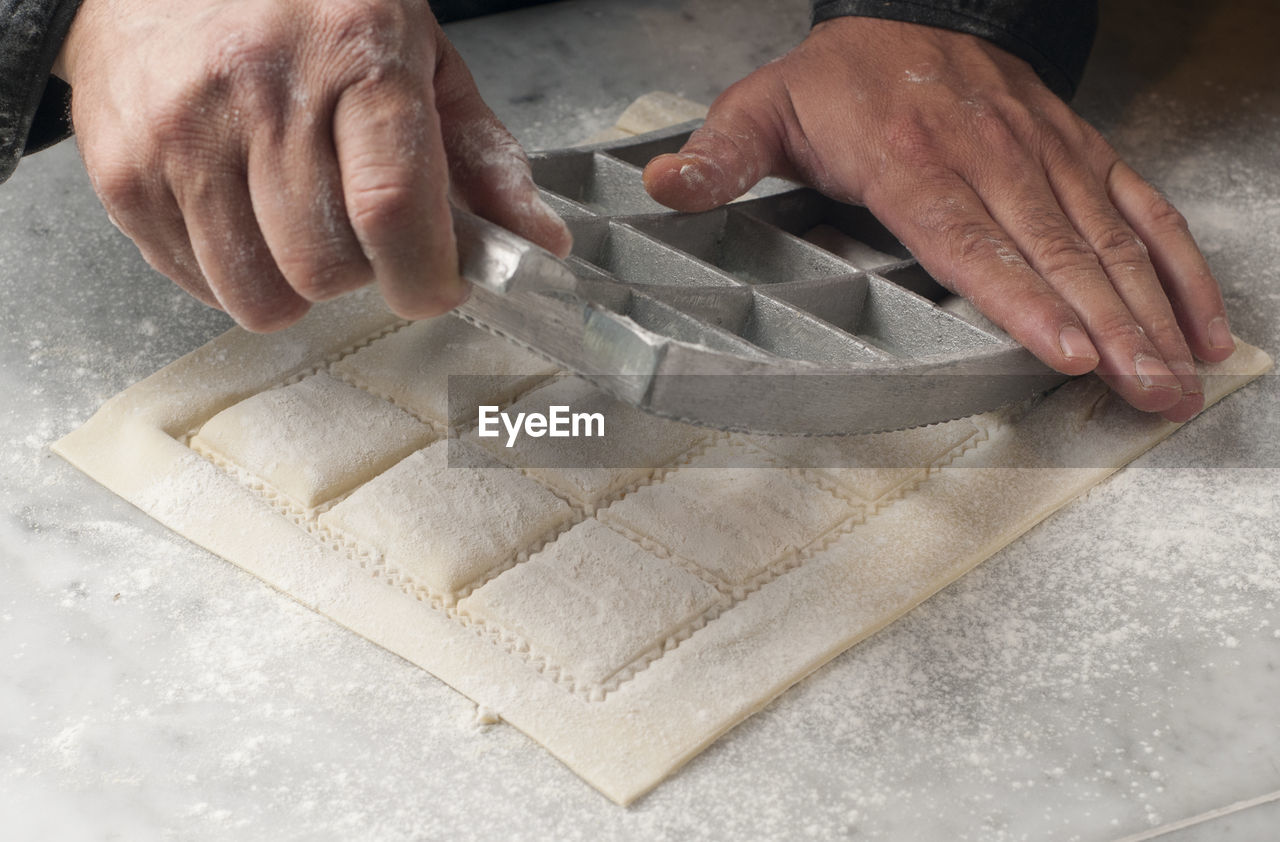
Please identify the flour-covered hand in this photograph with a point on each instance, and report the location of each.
(266, 154)
(1004, 194)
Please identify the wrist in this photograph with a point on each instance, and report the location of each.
(64, 63)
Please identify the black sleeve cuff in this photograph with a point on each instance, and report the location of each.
(1053, 36)
(33, 105)
(447, 11)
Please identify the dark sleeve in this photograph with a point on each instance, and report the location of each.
(33, 105)
(1053, 36)
(447, 11)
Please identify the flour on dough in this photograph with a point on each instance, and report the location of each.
(567, 601)
(585, 470)
(313, 440)
(444, 526)
(871, 466)
(412, 367)
(731, 522)
(623, 632)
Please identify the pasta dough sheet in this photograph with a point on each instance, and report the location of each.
(622, 617)
(622, 608)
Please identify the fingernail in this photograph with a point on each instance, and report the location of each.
(1075, 345)
(1187, 376)
(1154, 374)
(1220, 335)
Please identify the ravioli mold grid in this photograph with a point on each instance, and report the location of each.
(786, 313)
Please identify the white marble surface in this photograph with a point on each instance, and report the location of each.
(1114, 673)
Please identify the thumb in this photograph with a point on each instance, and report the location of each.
(488, 171)
(738, 145)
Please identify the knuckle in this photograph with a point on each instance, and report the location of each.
(1164, 216)
(1007, 124)
(1012, 110)
(1116, 328)
(368, 35)
(1117, 238)
(1055, 151)
(485, 146)
(712, 142)
(197, 180)
(1040, 223)
(998, 133)
(1044, 307)
(970, 240)
(1165, 328)
(939, 212)
(1066, 254)
(181, 134)
(257, 54)
(244, 73)
(382, 200)
(358, 20)
(912, 140)
(735, 139)
(1203, 281)
(121, 187)
(323, 277)
(1120, 250)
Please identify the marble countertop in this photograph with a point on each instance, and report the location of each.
(1114, 674)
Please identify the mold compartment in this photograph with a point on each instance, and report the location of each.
(676, 323)
(596, 181)
(785, 331)
(630, 256)
(742, 246)
(565, 208)
(838, 300)
(645, 148)
(625, 255)
(913, 278)
(808, 214)
(907, 325)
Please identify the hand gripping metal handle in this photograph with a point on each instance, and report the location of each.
(492, 257)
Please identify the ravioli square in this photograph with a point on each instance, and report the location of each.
(315, 439)
(731, 522)
(593, 602)
(873, 465)
(445, 526)
(588, 468)
(412, 367)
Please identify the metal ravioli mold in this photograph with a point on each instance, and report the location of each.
(786, 312)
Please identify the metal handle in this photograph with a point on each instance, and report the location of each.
(492, 257)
